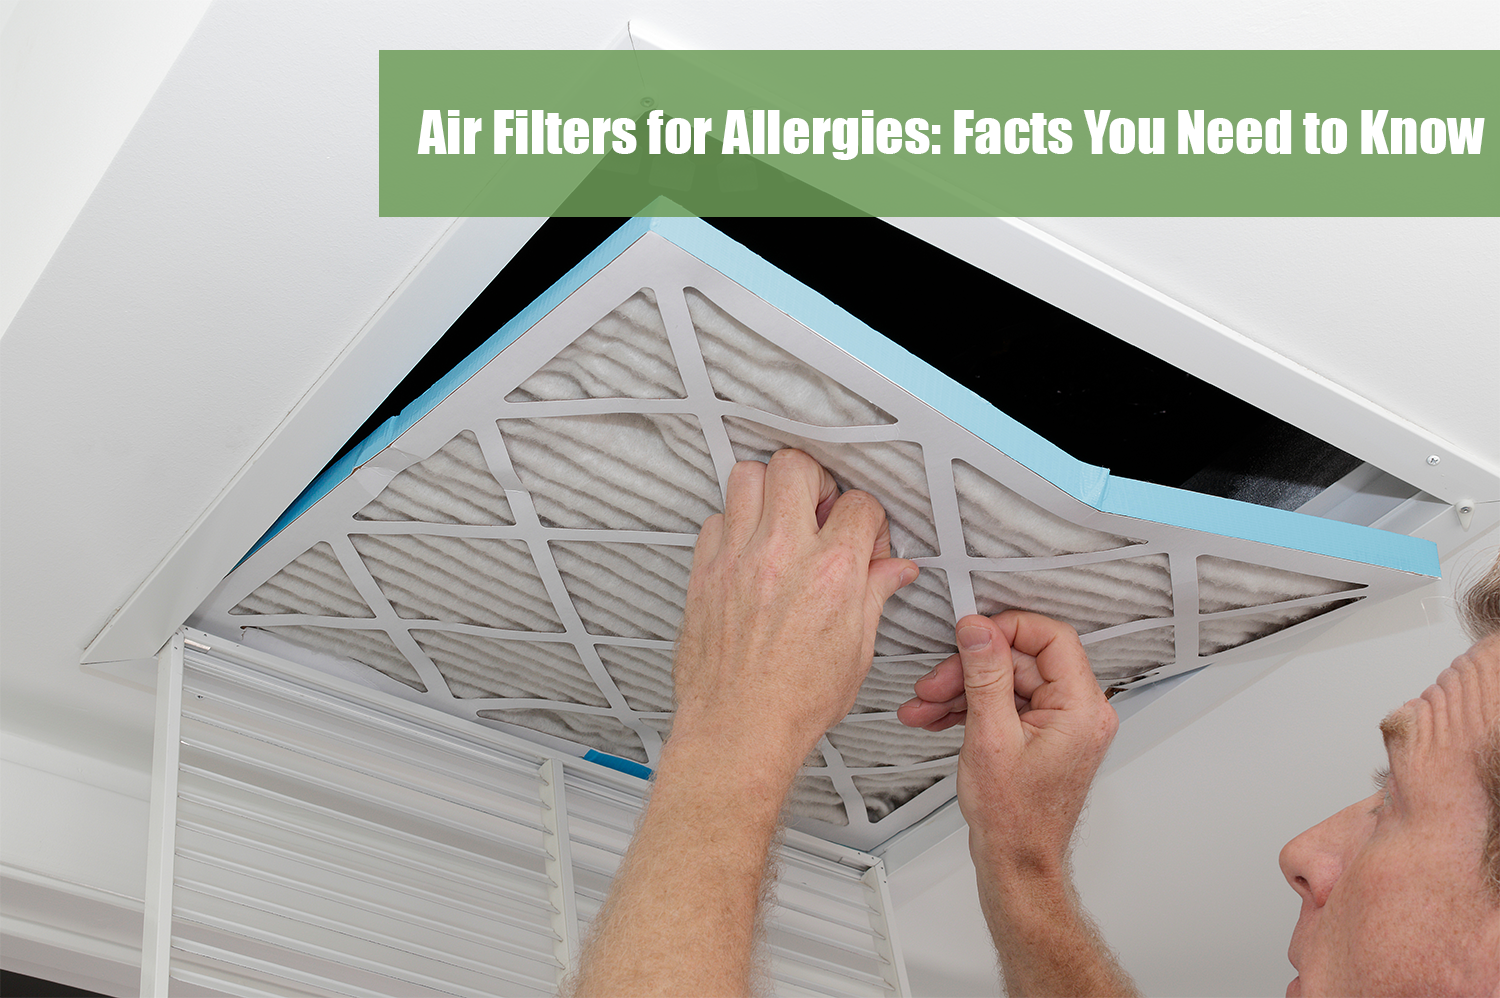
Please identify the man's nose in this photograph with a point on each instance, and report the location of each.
(1313, 861)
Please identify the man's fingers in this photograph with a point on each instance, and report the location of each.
(943, 724)
(989, 676)
(1061, 663)
(709, 538)
(744, 500)
(943, 683)
(828, 495)
(858, 519)
(797, 489)
(943, 687)
(887, 575)
(1028, 677)
(946, 680)
(918, 713)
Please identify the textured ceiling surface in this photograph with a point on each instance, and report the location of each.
(519, 554)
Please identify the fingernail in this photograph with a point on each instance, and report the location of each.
(908, 577)
(973, 637)
(932, 672)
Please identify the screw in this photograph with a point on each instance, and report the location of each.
(1433, 459)
(1466, 508)
(648, 102)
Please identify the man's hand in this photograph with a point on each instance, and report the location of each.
(1036, 729)
(787, 588)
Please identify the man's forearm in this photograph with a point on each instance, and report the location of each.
(681, 916)
(1048, 945)
(783, 601)
(1037, 726)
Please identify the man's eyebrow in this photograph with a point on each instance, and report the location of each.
(1395, 727)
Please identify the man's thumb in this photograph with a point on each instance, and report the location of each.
(989, 673)
(887, 575)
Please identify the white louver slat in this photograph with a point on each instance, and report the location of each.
(328, 839)
(319, 849)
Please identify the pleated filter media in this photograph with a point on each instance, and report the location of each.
(515, 547)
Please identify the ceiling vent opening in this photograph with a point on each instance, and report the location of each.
(512, 543)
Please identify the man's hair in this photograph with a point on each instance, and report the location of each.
(1479, 607)
(1479, 611)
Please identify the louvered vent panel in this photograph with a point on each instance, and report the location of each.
(825, 934)
(319, 852)
(337, 841)
(601, 821)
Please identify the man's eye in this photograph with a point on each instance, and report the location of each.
(1381, 778)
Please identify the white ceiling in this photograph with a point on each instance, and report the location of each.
(231, 248)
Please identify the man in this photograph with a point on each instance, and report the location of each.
(1401, 893)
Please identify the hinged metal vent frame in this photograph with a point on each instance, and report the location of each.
(289, 770)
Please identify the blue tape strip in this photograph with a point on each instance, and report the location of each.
(1086, 482)
(616, 763)
(1283, 528)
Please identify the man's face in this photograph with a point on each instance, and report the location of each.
(1394, 900)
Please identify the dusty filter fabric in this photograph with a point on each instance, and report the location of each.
(443, 489)
(519, 555)
(661, 475)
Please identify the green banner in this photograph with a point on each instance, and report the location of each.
(939, 133)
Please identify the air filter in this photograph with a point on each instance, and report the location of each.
(514, 548)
